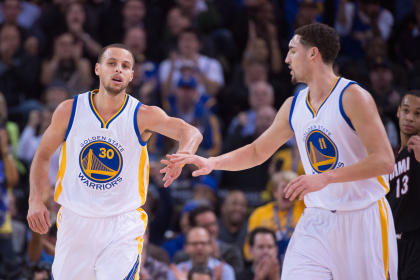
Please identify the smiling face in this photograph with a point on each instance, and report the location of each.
(298, 59)
(115, 70)
(409, 115)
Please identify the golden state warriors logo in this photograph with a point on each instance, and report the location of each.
(321, 150)
(100, 161)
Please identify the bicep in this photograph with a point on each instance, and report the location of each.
(154, 119)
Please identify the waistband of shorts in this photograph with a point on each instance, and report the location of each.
(334, 211)
(67, 209)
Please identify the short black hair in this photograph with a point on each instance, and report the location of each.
(197, 211)
(118, 46)
(414, 92)
(199, 269)
(191, 30)
(258, 230)
(323, 37)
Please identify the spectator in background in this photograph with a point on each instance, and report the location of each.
(26, 13)
(12, 133)
(205, 217)
(176, 244)
(38, 122)
(151, 268)
(387, 97)
(263, 251)
(129, 14)
(176, 22)
(205, 189)
(308, 11)
(359, 21)
(145, 82)
(261, 94)
(234, 98)
(265, 51)
(77, 25)
(256, 178)
(189, 106)
(18, 70)
(67, 65)
(199, 249)
(200, 273)
(54, 95)
(202, 14)
(233, 219)
(207, 71)
(8, 179)
(407, 41)
(280, 215)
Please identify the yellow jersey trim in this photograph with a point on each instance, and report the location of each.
(315, 112)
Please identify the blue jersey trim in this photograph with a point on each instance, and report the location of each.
(131, 275)
(292, 107)
(136, 126)
(346, 118)
(73, 112)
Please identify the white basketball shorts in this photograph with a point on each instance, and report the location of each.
(98, 248)
(343, 245)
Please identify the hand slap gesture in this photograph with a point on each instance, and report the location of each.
(205, 166)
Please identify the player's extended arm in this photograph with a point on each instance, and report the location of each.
(247, 156)
(154, 119)
(360, 107)
(38, 214)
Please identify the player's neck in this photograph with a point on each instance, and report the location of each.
(320, 83)
(404, 140)
(107, 104)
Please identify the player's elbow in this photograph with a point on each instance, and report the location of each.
(197, 134)
(387, 163)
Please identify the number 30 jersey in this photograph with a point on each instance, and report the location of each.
(404, 193)
(104, 166)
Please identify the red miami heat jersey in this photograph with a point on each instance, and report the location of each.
(104, 166)
(327, 140)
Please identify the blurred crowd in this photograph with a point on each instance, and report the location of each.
(216, 64)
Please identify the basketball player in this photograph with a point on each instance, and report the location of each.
(103, 176)
(346, 231)
(404, 194)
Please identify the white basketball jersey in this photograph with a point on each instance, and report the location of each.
(104, 166)
(327, 140)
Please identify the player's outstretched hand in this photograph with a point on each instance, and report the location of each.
(38, 217)
(299, 187)
(205, 165)
(171, 171)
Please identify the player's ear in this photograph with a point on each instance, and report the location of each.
(313, 52)
(97, 66)
(131, 75)
(398, 111)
